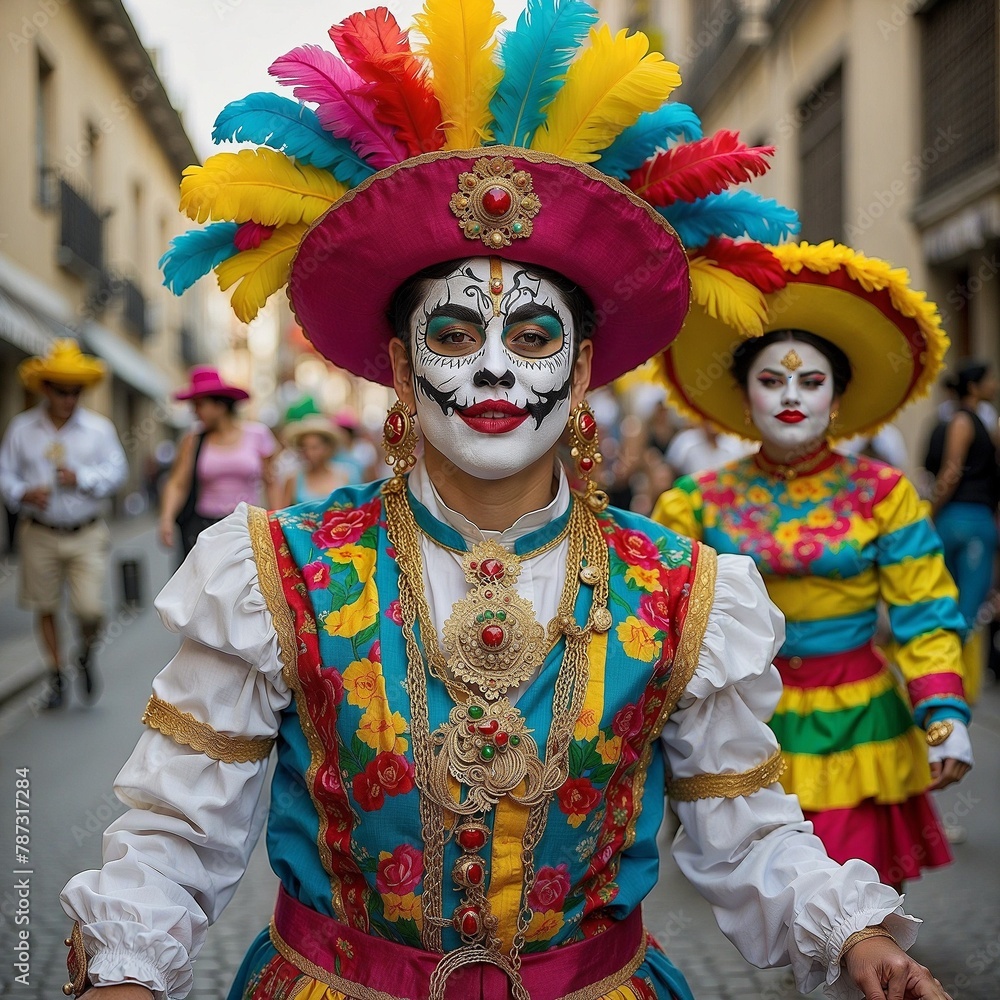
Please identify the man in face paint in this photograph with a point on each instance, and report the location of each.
(492, 372)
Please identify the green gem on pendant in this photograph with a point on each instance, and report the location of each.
(487, 752)
(476, 711)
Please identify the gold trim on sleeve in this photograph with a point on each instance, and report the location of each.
(185, 729)
(727, 786)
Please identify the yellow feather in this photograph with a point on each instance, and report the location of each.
(728, 298)
(261, 185)
(613, 81)
(262, 271)
(460, 40)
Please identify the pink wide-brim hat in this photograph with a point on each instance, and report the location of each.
(589, 227)
(206, 381)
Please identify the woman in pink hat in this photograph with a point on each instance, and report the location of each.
(224, 461)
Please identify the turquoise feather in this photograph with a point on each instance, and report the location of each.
(654, 130)
(535, 57)
(731, 213)
(194, 253)
(293, 129)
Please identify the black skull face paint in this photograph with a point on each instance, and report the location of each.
(492, 390)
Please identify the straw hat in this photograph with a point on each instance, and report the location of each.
(65, 364)
(313, 424)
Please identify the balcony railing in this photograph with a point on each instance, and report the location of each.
(81, 233)
(134, 308)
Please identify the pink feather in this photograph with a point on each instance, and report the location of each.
(342, 106)
(251, 234)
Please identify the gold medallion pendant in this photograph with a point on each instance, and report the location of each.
(492, 637)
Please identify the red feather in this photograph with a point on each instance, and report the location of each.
(749, 260)
(373, 45)
(364, 35)
(693, 170)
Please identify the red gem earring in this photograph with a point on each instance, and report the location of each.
(583, 446)
(399, 441)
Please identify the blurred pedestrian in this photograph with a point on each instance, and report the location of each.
(318, 442)
(963, 458)
(834, 535)
(703, 447)
(223, 462)
(58, 462)
(359, 457)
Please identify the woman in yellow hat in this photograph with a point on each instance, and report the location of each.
(841, 344)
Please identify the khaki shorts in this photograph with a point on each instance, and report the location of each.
(51, 558)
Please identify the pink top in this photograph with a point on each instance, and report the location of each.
(230, 476)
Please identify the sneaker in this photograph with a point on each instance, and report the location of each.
(954, 833)
(54, 696)
(87, 674)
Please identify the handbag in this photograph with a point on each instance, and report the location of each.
(191, 523)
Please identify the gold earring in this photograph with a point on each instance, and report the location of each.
(746, 417)
(833, 416)
(399, 441)
(583, 446)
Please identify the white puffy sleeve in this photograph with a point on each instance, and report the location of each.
(194, 780)
(775, 893)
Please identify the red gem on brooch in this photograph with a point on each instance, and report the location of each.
(471, 838)
(496, 201)
(489, 727)
(468, 921)
(492, 636)
(491, 569)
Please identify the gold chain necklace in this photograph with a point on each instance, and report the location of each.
(454, 752)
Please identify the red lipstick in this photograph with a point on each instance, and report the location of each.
(493, 416)
(791, 416)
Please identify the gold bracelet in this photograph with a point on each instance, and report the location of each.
(866, 932)
(938, 732)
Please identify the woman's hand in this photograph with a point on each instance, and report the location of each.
(166, 534)
(947, 772)
(884, 971)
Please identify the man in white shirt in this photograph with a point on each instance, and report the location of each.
(58, 462)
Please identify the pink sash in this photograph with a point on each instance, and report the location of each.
(370, 968)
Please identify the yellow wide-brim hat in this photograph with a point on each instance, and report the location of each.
(65, 364)
(890, 332)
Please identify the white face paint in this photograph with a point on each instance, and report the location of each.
(492, 391)
(790, 408)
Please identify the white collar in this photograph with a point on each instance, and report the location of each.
(425, 491)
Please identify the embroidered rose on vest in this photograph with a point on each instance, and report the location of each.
(367, 790)
(334, 683)
(394, 612)
(577, 797)
(345, 527)
(401, 871)
(638, 639)
(316, 575)
(654, 609)
(550, 888)
(636, 549)
(393, 772)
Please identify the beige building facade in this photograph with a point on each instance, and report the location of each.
(885, 118)
(88, 203)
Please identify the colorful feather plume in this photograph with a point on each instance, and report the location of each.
(396, 79)
(730, 299)
(194, 253)
(535, 57)
(337, 91)
(731, 213)
(460, 40)
(261, 185)
(751, 261)
(654, 130)
(694, 170)
(292, 128)
(615, 79)
(259, 273)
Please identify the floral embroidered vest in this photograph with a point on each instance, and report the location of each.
(344, 832)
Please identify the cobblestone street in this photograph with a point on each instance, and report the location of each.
(72, 757)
